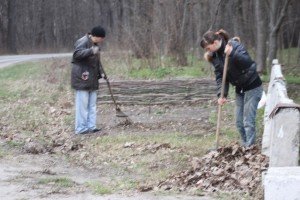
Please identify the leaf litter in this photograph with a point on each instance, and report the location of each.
(229, 168)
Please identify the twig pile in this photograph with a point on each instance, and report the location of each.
(158, 92)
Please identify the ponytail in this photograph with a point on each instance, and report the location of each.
(223, 34)
(209, 37)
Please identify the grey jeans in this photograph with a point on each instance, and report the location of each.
(246, 106)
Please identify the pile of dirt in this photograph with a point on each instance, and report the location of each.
(231, 168)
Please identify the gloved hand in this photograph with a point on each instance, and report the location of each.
(95, 49)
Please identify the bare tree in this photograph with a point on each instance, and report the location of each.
(261, 35)
(278, 9)
(177, 23)
(3, 22)
(12, 26)
(148, 28)
(142, 30)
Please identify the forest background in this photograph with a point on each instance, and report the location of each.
(150, 28)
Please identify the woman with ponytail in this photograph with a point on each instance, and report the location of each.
(241, 73)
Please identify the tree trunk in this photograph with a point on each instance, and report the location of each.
(177, 23)
(261, 36)
(238, 18)
(277, 14)
(142, 28)
(12, 27)
(3, 41)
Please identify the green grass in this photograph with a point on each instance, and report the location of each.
(289, 79)
(154, 68)
(292, 79)
(25, 70)
(126, 184)
(2, 153)
(164, 72)
(99, 188)
(59, 182)
(14, 144)
(14, 80)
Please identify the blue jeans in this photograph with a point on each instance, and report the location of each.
(86, 110)
(246, 106)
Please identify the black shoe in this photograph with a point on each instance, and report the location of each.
(84, 132)
(95, 130)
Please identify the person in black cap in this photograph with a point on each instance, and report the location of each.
(86, 71)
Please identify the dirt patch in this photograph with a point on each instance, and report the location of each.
(51, 177)
(183, 118)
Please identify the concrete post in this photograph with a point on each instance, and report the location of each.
(281, 141)
(282, 183)
(284, 146)
(282, 122)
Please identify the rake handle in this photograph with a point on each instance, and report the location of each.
(108, 84)
(221, 96)
(111, 93)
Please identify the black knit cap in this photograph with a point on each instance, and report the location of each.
(98, 31)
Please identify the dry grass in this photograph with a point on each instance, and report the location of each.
(36, 104)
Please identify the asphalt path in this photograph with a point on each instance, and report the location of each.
(9, 60)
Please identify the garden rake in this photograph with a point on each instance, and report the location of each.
(119, 113)
(221, 96)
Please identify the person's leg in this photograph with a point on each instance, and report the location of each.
(252, 97)
(81, 111)
(239, 116)
(92, 110)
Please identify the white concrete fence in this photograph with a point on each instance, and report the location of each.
(281, 140)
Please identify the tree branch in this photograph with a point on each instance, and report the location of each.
(216, 14)
(282, 15)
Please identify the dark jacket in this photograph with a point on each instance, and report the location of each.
(241, 69)
(85, 63)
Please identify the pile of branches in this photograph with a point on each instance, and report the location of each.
(231, 168)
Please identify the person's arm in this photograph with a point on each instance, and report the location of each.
(82, 50)
(219, 76)
(238, 54)
(101, 70)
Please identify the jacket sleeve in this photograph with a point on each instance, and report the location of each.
(82, 50)
(219, 76)
(101, 70)
(240, 56)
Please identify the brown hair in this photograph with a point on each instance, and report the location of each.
(209, 37)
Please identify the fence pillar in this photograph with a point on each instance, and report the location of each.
(282, 122)
(281, 140)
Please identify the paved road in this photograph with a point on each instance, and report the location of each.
(10, 60)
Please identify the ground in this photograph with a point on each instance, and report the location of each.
(42, 158)
(50, 177)
(46, 174)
